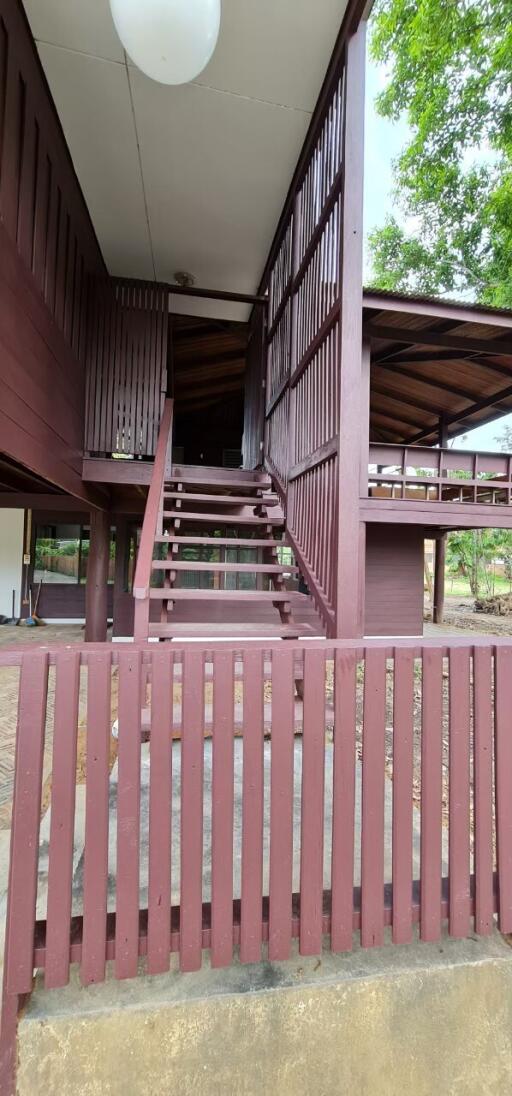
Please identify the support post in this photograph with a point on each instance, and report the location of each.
(440, 549)
(96, 589)
(439, 570)
(353, 405)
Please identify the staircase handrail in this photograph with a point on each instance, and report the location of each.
(142, 580)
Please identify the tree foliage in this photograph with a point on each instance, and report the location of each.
(473, 554)
(450, 72)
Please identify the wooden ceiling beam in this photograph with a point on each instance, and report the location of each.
(445, 386)
(438, 338)
(481, 405)
(408, 401)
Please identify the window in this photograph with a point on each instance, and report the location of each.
(62, 551)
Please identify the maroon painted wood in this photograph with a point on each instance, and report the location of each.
(312, 804)
(483, 787)
(222, 924)
(160, 812)
(344, 765)
(151, 526)
(128, 814)
(252, 808)
(62, 827)
(503, 768)
(403, 708)
(281, 805)
(96, 816)
(192, 765)
(22, 894)
(222, 809)
(431, 794)
(459, 840)
(372, 808)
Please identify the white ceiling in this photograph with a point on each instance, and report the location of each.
(193, 177)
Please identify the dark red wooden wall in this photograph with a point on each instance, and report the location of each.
(48, 255)
(394, 580)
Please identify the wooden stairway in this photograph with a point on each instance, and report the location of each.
(201, 528)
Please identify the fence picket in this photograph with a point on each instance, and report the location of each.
(222, 809)
(372, 811)
(160, 813)
(62, 826)
(403, 716)
(252, 808)
(312, 804)
(22, 895)
(459, 851)
(128, 814)
(344, 770)
(483, 741)
(503, 768)
(281, 806)
(96, 817)
(431, 793)
(192, 767)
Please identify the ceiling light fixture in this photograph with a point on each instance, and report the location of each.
(169, 40)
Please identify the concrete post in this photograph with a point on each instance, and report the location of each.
(96, 611)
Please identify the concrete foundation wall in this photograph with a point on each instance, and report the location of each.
(424, 1020)
(11, 557)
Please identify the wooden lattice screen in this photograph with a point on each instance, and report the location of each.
(126, 367)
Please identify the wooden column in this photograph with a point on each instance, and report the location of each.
(439, 567)
(96, 611)
(440, 550)
(353, 404)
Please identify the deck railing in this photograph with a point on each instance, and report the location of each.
(152, 517)
(439, 475)
(388, 788)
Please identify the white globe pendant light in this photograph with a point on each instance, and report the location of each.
(170, 40)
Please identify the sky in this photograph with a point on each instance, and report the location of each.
(384, 141)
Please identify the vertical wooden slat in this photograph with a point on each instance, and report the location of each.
(192, 765)
(459, 695)
(372, 809)
(60, 867)
(343, 804)
(312, 804)
(431, 793)
(503, 769)
(160, 813)
(13, 130)
(128, 814)
(22, 893)
(222, 808)
(483, 805)
(252, 807)
(403, 712)
(96, 817)
(281, 806)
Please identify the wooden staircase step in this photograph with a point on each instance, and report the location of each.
(169, 593)
(243, 568)
(223, 500)
(219, 542)
(221, 519)
(200, 475)
(224, 631)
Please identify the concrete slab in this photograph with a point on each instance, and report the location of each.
(421, 1020)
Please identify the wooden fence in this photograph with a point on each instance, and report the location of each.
(400, 757)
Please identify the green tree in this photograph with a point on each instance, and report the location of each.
(450, 73)
(473, 553)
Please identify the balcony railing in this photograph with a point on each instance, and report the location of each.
(420, 474)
